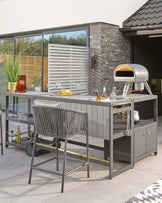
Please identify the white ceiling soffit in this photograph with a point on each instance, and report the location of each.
(22, 16)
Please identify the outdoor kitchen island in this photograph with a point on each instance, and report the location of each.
(123, 139)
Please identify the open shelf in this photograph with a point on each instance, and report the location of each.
(144, 123)
(20, 146)
(28, 120)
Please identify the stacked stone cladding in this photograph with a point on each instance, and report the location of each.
(111, 49)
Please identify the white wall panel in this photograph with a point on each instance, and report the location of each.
(68, 68)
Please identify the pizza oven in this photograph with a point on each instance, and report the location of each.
(132, 73)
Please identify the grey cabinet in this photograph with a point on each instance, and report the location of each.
(145, 140)
(140, 142)
(151, 138)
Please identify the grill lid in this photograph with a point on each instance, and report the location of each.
(131, 73)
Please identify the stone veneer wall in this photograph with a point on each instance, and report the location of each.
(111, 49)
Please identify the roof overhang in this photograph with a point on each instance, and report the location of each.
(142, 31)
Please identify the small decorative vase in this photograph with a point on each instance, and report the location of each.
(22, 84)
(37, 89)
(12, 86)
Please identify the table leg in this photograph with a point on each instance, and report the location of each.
(106, 149)
(6, 121)
(111, 142)
(132, 136)
(29, 112)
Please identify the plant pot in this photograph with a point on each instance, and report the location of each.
(12, 86)
(37, 89)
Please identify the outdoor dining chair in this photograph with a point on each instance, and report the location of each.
(59, 124)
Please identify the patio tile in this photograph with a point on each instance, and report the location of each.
(14, 171)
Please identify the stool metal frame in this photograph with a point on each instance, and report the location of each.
(58, 123)
(1, 143)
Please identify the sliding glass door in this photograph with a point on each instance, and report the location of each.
(29, 52)
(6, 48)
(32, 51)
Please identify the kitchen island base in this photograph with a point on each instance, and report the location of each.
(101, 117)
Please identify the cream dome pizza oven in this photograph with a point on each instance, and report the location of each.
(132, 73)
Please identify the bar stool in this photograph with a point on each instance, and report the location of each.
(58, 123)
(1, 143)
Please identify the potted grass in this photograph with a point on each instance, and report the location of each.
(37, 83)
(12, 70)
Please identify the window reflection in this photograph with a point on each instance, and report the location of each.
(29, 50)
(6, 48)
(77, 37)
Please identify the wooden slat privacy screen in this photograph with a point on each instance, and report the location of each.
(68, 68)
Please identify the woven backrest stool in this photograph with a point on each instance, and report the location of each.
(58, 123)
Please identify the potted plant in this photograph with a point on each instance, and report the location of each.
(37, 83)
(12, 70)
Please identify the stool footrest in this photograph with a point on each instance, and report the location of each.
(47, 171)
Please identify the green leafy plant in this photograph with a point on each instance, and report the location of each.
(37, 81)
(12, 69)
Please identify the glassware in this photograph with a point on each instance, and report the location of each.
(113, 95)
(104, 94)
(22, 115)
(89, 98)
(97, 96)
(11, 137)
(59, 87)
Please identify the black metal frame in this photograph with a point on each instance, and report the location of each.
(1, 143)
(114, 110)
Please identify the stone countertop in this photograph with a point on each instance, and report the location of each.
(87, 99)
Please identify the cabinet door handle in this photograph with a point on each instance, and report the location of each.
(148, 133)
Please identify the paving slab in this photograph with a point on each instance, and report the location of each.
(14, 171)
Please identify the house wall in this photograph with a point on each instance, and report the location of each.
(21, 16)
(111, 49)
